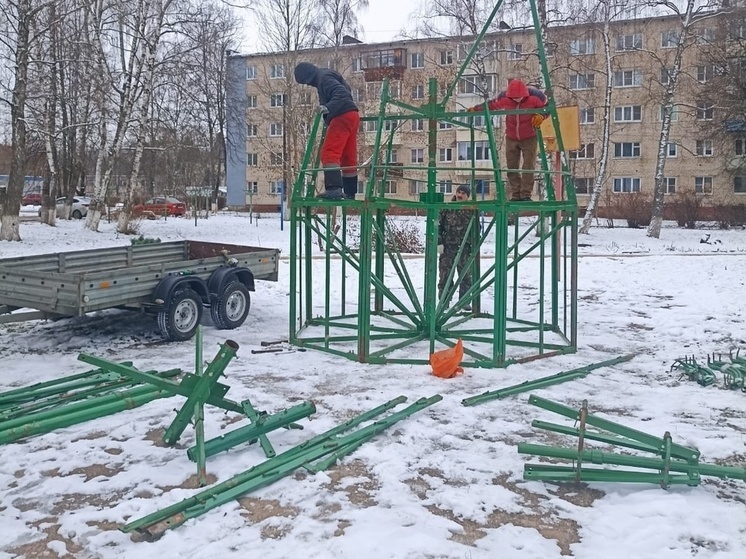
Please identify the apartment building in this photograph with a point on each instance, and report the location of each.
(270, 116)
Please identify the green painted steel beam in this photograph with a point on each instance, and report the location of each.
(264, 424)
(543, 382)
(84, 411)
(269, 471)
(569, 474)
(183, 388)
(595, 436)
(678, 451)
(202, 391)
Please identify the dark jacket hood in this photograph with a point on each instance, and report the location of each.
(306, 73)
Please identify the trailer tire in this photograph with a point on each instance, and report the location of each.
(180, 319)
(232, 306)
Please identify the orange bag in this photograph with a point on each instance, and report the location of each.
(445, 363)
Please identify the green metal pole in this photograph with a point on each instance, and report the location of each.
(543, 381)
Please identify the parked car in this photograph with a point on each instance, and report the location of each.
(79, 208)
(33, 199)
(162, 205)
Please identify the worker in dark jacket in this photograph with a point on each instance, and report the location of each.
(339, 151)
(520, 134)
(452, 228)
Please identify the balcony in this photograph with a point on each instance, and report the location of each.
(388, 63)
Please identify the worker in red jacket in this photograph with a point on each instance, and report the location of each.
(520, 134)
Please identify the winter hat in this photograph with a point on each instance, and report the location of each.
(464, 188)
(305, 72)
(516, 88)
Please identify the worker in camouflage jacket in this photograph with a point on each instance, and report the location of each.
(452, 228)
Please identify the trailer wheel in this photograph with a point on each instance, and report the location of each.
(180, 320)
(231, 307)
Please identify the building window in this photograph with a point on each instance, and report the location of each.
(418, 155)
(703, 185)
(389, 125)
(629, 42)
(393, 156)
(443, 125)
(669, 38)
(277, 71)
(418, 92)
(740, 147)
(252, 187)
(389, 187)
(252, 130)
(275, 158)
(275, 129)
(251, 101)
(482, 187)
(737, 31)
(674, 113)
(739, 185)
(626, 184)
(666, 75)
(583, 185)
(477, 85)
(369, 125)
(275, 187)
(373, 90)
(445, 155)
(586, 151)
(585, 45)
(446, 187)
(277, 100)
(705, 111)
(304, 98)
(626, 149)
(515, 51)
(417, 60)
(418, 125)
(628, 113)
(357, 65)
(703, 148)
(480, 150)
(669, 185)
(705, 36)
(250, 72)
(582, 81)
(705, 73)
(587, 116)
(628, 78)
(446, 57)
(417, 187)
(252, 159)
(672, 149)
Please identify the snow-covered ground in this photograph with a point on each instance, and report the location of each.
(444, 483)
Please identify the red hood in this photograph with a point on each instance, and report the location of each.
(516, 88)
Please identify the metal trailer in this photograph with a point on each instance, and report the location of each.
(175, 281)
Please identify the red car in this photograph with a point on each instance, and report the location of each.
(31, 200)
(162, 205)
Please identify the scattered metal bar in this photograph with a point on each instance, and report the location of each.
(272, 469)
(265, 424)
(543, 382)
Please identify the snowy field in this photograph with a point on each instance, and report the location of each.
(444, 483)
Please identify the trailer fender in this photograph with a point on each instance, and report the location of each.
(225, 275)
(170, 284)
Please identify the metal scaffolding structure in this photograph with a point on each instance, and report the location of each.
(358, 298)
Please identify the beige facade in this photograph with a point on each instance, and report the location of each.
(702, 157)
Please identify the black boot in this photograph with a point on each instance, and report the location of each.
(333, 185)
(349, 185)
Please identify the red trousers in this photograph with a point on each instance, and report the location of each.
(340, 145)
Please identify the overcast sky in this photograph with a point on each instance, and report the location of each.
(382, 21)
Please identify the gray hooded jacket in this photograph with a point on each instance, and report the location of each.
(334, 93)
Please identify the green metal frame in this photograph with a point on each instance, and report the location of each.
(523, 305)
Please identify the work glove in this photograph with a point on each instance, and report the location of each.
(536, 120)
(322, 109)
(440, 249)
